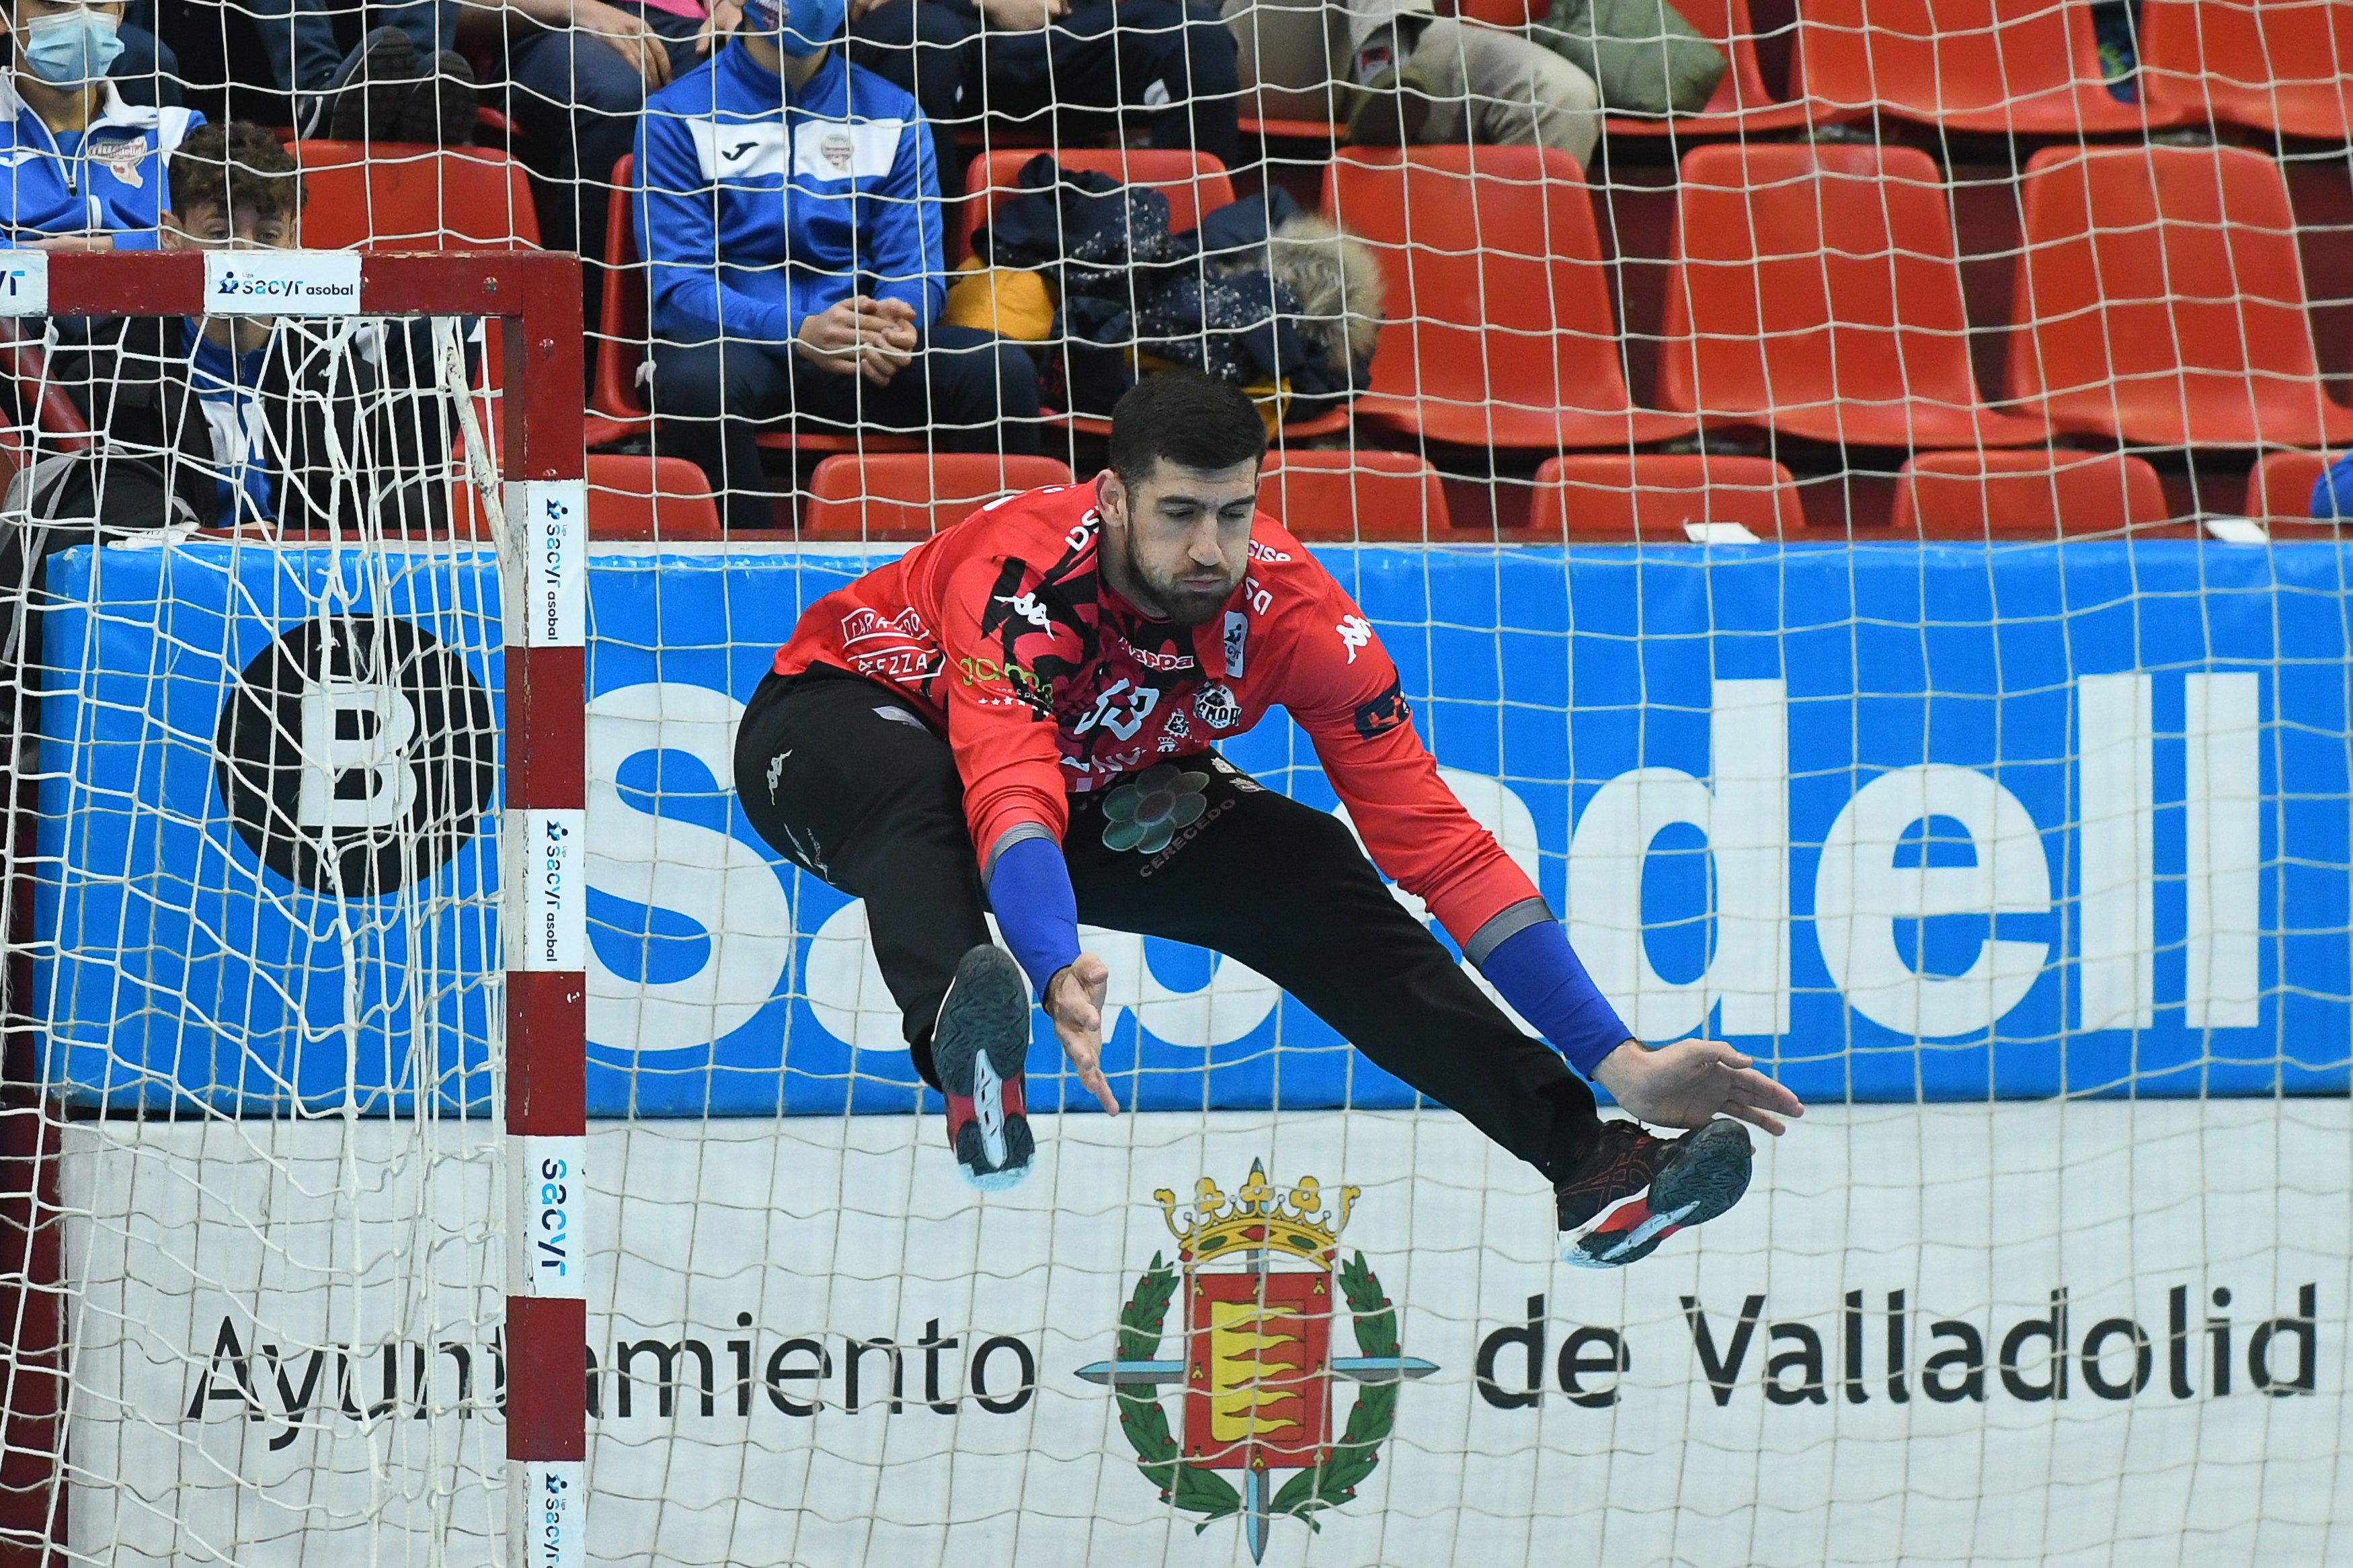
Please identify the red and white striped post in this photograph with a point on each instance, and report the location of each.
(536, 296)
(545, 559)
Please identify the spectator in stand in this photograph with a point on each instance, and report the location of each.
(1398, 74)
(85, 170)
(404, 82)
(790, 213)
(1078, 64)
(581, 71)
(245, 417)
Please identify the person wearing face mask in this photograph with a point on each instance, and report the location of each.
(789, 212)
(85, 171)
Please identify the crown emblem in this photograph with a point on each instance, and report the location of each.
(1257, 1216)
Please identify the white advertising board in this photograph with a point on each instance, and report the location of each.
(814, 1346)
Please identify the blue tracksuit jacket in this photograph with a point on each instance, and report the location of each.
(109, 176)
(758, 206)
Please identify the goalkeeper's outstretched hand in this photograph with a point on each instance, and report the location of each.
(1074, 1000)
(1691, 1083)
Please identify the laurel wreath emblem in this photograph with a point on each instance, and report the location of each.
(1345, 1464)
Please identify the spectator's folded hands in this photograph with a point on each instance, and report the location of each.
(1023, 16)
(724, 15)
(645, 49)
(92, 239)
(860, 335)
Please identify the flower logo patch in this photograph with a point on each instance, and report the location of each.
(1146, 812)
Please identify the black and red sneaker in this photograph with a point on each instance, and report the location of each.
(979, 1046)
(1636, 1190)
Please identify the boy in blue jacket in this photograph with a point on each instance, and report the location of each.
(789, 210)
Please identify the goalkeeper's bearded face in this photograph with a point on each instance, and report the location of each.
(1176, 541)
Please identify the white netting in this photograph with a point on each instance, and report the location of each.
(254, 973)
(1748, 427)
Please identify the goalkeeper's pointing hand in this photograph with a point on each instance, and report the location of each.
(1074, 1000)
(1691, 1083)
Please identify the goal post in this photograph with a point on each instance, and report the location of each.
(369, 738)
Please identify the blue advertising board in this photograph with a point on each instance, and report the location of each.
(1906, 822)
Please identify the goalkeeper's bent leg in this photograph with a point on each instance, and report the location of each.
(844, 779)
(1283, 888)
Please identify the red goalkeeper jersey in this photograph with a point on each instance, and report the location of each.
(1003, 632)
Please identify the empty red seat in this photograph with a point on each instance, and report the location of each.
(666, 500)
(1194, 182)
(914, 495)
(1500, 332)
(1818, 290)
(392, 196)
(2280, 488)
(2160, 299)
(1359, 495)
(1661, 499)
(2025, 495)
(2026, 67)
(1741, 102)
(2284, 65)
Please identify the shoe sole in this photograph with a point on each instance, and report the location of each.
(1709, 1174)
(981, 1040)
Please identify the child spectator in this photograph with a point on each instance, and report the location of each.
(261, 420)
(790, 215)
(85, 170)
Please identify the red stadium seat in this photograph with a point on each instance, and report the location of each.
(1818, 290)
(2023, 67)
(393, 197)
(1500, 332)
(2284, 65)
(617, 404)
(1656, 497)
(2280, 488)
(2160, 299)
(912, 496)
(663, 499)
(1360, 495)
(1741, 102)
(1194, 182)
(2026, 495)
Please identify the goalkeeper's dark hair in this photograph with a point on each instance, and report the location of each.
(1187, 418)
(236, 168)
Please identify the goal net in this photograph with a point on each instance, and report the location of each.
(1850, 539)
(293, 563)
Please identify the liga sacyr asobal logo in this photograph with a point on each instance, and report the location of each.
(1257, 1274)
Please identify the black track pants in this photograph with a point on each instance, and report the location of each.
(847, 782)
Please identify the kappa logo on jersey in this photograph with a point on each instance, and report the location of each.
(1027, 607)
(1382, 713)
(1354, 632)
(1237, 641)
(1216, 706)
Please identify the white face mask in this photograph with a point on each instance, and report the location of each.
(70, 48)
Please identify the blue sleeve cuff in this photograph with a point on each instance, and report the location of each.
(1037, 913)
(2332, 497)
(1537, 973)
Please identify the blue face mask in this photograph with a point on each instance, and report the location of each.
(69, 47)
(803, 27)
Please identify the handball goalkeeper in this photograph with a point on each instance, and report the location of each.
(1021, 715)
